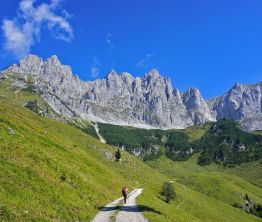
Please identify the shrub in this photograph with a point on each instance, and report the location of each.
(168, 191)
(32, 105)
(118, 155)
(63, 177)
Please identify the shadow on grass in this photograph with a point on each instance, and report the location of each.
(161, 198)
(136, 208)
(144, 208)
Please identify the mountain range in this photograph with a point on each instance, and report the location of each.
(147, 102)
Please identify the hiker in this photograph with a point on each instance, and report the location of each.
(124, 192)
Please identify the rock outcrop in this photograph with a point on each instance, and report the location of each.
(149, 101)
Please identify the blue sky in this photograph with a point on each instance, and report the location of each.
(206, 44)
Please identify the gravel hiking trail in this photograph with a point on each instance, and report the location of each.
(128, 212)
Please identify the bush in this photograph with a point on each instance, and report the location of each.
(118, 155)
(30, 88)
(32, 105)
(168, 191)
(63, 177)
(249, 207)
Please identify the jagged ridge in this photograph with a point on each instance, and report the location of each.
(149, 101)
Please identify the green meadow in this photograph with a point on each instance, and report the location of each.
(53, 171)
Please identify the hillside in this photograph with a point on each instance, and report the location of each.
(223, 142)
(226, 143)
(25, 95)
(51, 171)
(215, 181)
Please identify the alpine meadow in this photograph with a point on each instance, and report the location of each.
(178, 139)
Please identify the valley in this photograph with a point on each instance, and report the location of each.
(55, 171)
(130, 111)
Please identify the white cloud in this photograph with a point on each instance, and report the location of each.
(96, 67)
(55, 3)
(109, 41)
(23, 31)
(146, 61)
(18, 39)
(149, 55)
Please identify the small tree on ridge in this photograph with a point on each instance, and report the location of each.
(168, 191)
(118, 155)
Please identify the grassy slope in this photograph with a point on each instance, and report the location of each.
(136, 136)
(41, 152)
(215, 182)
(259, 132)
(251, 171)
(196, 132)
(51, 171)
(22, 97)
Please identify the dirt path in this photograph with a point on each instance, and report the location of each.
(129, 212)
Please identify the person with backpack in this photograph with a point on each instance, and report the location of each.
(124, 192)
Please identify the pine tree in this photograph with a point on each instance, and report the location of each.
(118, 155)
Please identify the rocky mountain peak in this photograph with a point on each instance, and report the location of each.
(127, 78)
(30, 59)
(192, 92)
(237, 88)
(53, 60)
(237, 85)
(196, 106)
(30, 64)
(137, 101)
(153, 74)
(53, 67)
(111, 74)
(176, 93)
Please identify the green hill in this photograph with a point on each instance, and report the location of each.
(177, 143)
(53, 171)
(227, 185)
(225, 142)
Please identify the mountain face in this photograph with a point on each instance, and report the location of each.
(242, 102)
(149, 101)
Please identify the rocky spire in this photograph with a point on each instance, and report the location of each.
(111, 74)
(196, 106)
(30, 64)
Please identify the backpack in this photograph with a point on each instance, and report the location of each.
(125, 190)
